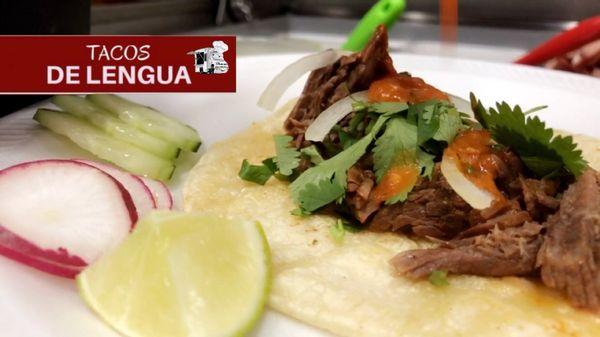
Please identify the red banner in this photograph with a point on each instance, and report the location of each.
(81, 64)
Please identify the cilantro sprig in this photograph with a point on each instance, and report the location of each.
(287, 157)
(542, 152)
(411, 135)
(326, 182)
(431, 122)
(397, 146)
(281, 166)
(258, 174)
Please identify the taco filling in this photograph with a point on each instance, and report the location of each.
(499, 192)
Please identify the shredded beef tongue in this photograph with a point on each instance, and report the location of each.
(539, 197)
(329, 84)
(511, 218)
(432, 209)
(570, 255)
(500, 253)
(360, 185)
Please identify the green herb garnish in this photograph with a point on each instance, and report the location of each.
(270, 164)
(387, 108)
(397, 145)
(346, 139)
(439, 278)
(542, 152)
(287, 157)
(398, 197)
(326, 182)
(426, 163)
(436, 120)
(337, 231)
(313, 154)
(300, 212)
(255, 173)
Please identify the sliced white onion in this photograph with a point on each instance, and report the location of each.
(279, 84)
(321, 126)
(475, 196)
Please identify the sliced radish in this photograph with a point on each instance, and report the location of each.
(18, 249)
(160, 191)
(140, 193)
(475, 196)
(60, 215)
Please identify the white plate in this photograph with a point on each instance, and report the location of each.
(35, 304)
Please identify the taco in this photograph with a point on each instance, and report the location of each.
(391, 212)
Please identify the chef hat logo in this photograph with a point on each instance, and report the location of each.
(220, 46)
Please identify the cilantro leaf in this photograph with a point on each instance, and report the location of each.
(380, 107)
(312, 153)
(300, 212)
(346, 140)
(397, 145)
(398, 197)
(439, 278)
(255, 173)
(436, 120)
(287, 157)
(428, 124)
(326, 182)
(355, 122)
(542, 152)
(322, 192)
(270, 164)
(450, 123)
(387, 107)
(337, 231)
(425, 161)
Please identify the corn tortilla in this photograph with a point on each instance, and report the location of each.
(348, 288)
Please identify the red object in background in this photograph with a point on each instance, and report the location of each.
(25, 62)
(448, 20)
(585, 32)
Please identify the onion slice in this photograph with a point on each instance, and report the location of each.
(475, 196)
(279, 84)
(461, 104)
(321, 126)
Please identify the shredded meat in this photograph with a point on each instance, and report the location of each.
(360, 185)
(329, 84)
(432, 209)
(510, 218)
(499, 253)
(509, 168)
(539, 197)
(570, 255)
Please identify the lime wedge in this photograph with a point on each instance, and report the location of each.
(182, 274)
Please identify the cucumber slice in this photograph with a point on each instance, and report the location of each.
(96, 141)
(80, 107)
(149, 120)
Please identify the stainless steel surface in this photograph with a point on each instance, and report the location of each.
(173, 16)
(152, 17)
(528, 13)
(307, 34)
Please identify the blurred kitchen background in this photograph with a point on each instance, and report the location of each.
(490, 30)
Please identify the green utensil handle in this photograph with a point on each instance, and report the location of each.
(384, 12)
